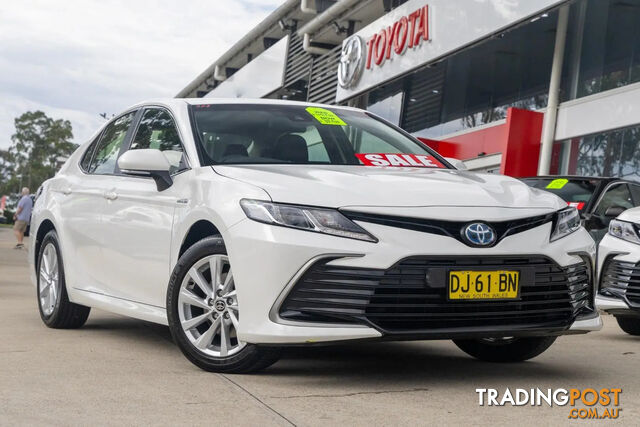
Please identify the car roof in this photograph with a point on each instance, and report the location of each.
(236, 101)
(258, 101)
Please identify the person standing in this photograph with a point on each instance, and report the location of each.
(22, 217)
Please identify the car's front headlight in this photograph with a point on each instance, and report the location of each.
(566, 222)
(319, 220)
(624, 230)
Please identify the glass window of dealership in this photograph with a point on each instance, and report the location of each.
(475, 86)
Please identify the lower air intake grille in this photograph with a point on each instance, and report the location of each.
(622, 279)
(412, 295)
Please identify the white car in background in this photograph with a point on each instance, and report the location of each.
(619, 267)
(249, 225)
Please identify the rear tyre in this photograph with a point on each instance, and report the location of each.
(204, 313)
(630, 325)
(505, 349)
(56, 310)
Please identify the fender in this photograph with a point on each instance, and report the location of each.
(189, 211)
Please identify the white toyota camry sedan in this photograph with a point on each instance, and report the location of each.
(619, 267)
(250, 225)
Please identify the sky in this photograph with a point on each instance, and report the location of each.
(75, 59)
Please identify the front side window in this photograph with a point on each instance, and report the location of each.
(616, 195)
(157, 130)
(291, 134)
(85, 162)
(108, 149)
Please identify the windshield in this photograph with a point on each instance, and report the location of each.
(292, 134)
(576, 192)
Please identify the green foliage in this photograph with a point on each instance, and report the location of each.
(39, 144)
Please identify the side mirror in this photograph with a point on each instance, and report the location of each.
(147, 162)
(458, 164)
(593, 222)
(614, 211)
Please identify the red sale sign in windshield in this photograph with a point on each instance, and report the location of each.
(397, 159)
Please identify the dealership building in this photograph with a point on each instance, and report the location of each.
(520, 87)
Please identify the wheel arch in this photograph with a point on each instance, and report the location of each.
(199, 230)
(45, 226)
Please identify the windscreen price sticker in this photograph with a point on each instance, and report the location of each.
(399, 160)
(325, 117)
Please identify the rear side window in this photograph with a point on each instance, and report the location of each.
(157, 130)
(108, 149)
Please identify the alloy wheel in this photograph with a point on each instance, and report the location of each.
(208, 307)
(49, 283)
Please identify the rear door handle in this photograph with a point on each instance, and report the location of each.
(66, 191)
(110, 195)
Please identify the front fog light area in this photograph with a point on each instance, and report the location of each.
(319, 220)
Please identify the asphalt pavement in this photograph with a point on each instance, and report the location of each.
(120, 371)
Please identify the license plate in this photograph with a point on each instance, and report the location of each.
(484, 285)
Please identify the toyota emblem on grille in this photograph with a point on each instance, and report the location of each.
(351, 61)
(479, 234)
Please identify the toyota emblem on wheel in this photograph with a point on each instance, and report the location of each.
(479, 234)
(351, 62)
(220, 305)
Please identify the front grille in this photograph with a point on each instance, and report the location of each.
(621, 279)
(412, 295)
(450, 228)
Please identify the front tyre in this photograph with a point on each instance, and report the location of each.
(56, 310)
(203, 312)
(505, 349)
(630, 325)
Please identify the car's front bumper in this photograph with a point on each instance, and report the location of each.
(269, 260)
(618, 273)
(614, 305)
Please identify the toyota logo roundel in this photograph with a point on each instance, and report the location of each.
(479, 234)
(351, 61)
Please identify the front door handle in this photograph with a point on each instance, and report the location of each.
(110, 195)
(66, 191)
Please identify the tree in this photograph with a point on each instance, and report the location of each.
(38, 144)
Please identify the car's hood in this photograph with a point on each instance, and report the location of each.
(343, 186)
(631, 215)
